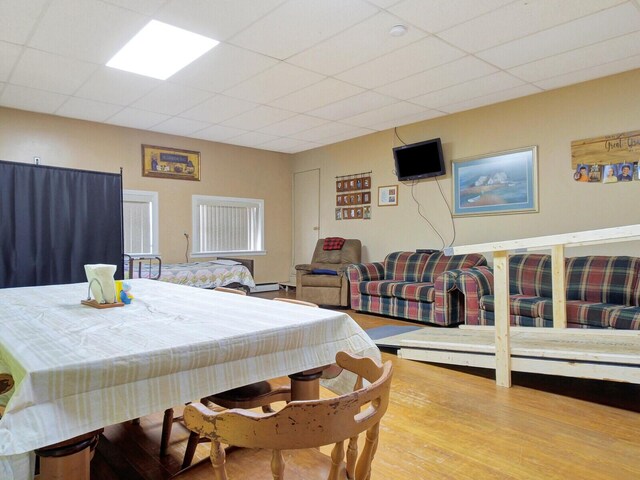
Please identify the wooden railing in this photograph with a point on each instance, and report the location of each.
(555, 243)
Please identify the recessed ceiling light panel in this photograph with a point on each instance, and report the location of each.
(159, 50)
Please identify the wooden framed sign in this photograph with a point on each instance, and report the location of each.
(164, 162)
(619, 148)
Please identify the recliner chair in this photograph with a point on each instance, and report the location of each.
(324, 281)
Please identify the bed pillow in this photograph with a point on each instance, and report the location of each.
(323, 271)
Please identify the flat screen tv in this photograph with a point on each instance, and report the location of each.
(419, 160)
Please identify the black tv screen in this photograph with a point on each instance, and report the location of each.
(419, 160)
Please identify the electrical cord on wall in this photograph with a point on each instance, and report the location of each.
(412, 185)
(186, 251)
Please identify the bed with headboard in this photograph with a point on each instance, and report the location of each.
(221, 272)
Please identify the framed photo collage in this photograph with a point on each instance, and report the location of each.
(353, 197)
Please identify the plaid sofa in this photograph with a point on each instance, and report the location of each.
(602, 292)
(416, 286)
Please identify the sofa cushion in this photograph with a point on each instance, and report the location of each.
(626, 318)
(521, 305)
(603, 279)
(591, 314)
(378, 288)
(530, 274)
(419, 292)
(438, 263)
(404, 266)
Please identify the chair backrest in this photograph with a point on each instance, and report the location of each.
(230, 290)
(351, 252)
(306, 424)
(297, 302)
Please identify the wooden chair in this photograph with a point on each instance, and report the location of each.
(301, 425)
(297, 302)
(260, 394)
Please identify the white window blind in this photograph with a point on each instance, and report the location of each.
(140, 214)
(227, 225)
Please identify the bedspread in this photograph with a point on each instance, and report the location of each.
(215, 273)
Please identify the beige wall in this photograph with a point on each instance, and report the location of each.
(550, 120)
(226, 171)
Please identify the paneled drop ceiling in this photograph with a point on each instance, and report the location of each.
(292, 75)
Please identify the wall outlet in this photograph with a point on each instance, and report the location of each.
(36, 160)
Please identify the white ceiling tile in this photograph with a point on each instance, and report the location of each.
(286, 145)
(385, 114)
(590, 73)
(453, 73)
(87, 109)
(496, 97)
(358, 44)
(30, 99)
(116, 86)
(401, 63)
(579, 33)
(281, 80)
(218, 19)
(9, 53)
(258, 118)
(293, 125)
(517, 20)
(346, 135)
(179, 126)
(317, 95)
(134, 118)
(591, 56)
(466, 91)
(18, 18)
(384, 3)
(252, 139)
(218, 109)
(223, 67)
(330, 130)
(146, 7)
(50, 72)
(299, 24)
(217, 133)
(426, 114)
(437, 15)
(351, 106)
(87, 30)
(171, 99)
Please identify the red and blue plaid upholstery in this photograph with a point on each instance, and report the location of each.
(398, 286)
(602, 292)
(333, 243)
(405, 266)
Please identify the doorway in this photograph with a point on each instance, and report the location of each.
(306, 217)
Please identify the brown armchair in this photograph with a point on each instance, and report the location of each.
(327, 289)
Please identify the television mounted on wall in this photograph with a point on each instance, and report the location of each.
(419, 160)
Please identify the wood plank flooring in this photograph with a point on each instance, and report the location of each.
(448, 423)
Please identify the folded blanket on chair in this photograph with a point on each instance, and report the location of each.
(333, 243)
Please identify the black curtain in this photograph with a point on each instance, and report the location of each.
(54, 220)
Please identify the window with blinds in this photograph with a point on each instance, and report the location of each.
(140, 218)
(224, 225)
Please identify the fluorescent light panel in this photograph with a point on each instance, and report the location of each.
(159, 50)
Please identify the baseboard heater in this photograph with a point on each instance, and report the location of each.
(265, 287)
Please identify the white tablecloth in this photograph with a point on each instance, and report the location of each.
(77, 368)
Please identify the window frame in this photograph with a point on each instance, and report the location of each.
(198, 200)
(152, 198)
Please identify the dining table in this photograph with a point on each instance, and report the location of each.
(77, 369)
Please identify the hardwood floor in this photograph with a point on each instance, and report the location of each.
(448, 423)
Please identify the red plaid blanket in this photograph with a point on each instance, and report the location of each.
(333, 243)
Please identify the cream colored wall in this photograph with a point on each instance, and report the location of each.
(550, 120)
(226, 170)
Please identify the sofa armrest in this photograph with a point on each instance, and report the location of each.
(449, 308)
(304, 267)
(362, 272)
(474, 283)
(365, 272)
